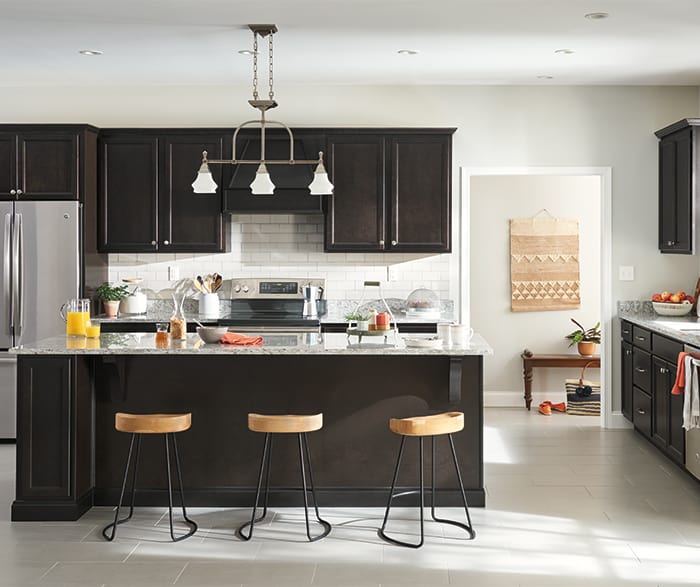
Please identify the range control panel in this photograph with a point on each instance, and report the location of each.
(271, 288)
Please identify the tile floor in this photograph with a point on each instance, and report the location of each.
(568, 504)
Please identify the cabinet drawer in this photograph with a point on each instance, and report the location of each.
(665, 348)
(641, 369)
(641, 337)
(626, 331)
(641, 414)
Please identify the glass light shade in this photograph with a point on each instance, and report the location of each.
(321, 185)
(204, 182)
(262, 184)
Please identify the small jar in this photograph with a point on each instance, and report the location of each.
(382, 321)
(372, 320)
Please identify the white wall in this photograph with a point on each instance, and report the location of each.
(494, 201)
(511, 126)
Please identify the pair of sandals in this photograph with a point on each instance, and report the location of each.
(546, 408)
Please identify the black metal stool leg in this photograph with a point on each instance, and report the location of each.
(117, 521)
(303, 442)
(193, 525)
(264, 469)
(392, 495)
(468, 526)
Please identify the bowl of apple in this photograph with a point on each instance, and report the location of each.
(668, 304)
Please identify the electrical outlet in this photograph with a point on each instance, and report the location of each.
(626, 273)
(173, 273)
(392, 273)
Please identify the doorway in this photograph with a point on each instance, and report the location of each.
(476, 290)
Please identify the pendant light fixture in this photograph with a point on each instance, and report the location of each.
(262, 184)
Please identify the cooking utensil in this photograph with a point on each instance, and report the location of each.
(198, 285)
(207, 283)
(201, 283)
(218, 280)
(198, 322)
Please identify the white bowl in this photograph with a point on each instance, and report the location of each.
(671, 309)
(211, 334)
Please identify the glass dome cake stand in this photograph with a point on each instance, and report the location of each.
(393, 329)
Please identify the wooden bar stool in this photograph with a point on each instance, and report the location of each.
(136, 425)
(422, 426)
(288, 424)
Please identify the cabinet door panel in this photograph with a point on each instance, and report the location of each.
(627, 377)
(676, 434)
(641, 375)
(8, 165)
(420, 193)
(663, 373)
(355, 218)
(48, 166)
(676, 192)
(129, 194)
(190, 222)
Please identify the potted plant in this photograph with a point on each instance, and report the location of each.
(110, 296)
(585, 338)
(360, 320)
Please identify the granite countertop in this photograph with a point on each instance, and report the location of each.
(683, 328)
(274, 344)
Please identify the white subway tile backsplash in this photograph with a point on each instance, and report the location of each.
(264, 245)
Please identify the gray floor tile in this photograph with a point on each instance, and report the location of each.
(118, 574)
(245, 572)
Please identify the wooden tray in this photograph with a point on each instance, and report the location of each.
(357, 332)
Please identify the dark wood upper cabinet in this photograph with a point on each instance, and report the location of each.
(420, 193)
(190, 222)
(291, 181)
(355, 216)
(40, 163)
(147, 202)
(678, 206)
(392, 191)
(128, 194)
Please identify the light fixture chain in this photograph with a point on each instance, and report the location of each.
(255, 66)
(270, 81)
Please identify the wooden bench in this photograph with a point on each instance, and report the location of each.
(530, 361)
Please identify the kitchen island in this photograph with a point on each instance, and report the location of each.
(69, 456)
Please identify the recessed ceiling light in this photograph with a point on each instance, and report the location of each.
(407, 52)
(597, 15)
(545, 77)
(246, 52)
(565, 51)
(90, 52)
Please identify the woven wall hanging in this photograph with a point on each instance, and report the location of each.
(544, 264)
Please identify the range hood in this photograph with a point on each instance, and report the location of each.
(291, 181)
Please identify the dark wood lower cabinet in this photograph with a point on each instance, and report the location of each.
(54, 447)
(627, 385)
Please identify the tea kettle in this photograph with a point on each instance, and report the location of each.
(310, 294)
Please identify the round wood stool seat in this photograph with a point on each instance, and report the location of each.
(445, 423)
(152, 423)
(288, 423)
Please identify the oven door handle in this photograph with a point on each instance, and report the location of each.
(272, 329)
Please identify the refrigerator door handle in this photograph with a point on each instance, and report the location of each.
(7, 296)
(20, 277)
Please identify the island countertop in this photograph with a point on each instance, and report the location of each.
(273, 344)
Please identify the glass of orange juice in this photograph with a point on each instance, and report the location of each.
(92, 329)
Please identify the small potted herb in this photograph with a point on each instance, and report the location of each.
(585, 338)
(358, 320)
(110, 296)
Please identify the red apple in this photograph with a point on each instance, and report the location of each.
(681, 294)
(690, 299)
(656, 297)
(665, 295)
(675, 298)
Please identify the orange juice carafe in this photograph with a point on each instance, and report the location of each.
(75, 313)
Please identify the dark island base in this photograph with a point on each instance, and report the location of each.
(75, 450)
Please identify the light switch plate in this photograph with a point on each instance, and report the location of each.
(626, 273)
(173, 273)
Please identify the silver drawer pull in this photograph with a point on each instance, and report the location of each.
(625, 332)
(638, 370)
(663, 370)
(640, 337)
(641, 412)
(628, 352)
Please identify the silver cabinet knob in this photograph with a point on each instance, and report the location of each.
(237, 288)
(153, 243)
(670, 243)
(166, 242)
(663, 370)
(245, 289)
(13, 192)
(381, 243)
(628, 352)
(393, 243)
(19, 192)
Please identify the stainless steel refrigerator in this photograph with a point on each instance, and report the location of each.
(40, 252)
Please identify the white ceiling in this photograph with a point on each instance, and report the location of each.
(472, 42)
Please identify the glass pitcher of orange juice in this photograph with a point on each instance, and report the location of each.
(75, 313)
